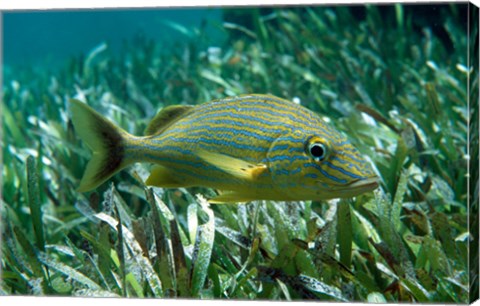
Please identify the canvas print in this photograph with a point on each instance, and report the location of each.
(283, 153)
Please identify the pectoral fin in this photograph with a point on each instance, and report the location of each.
(234, 166)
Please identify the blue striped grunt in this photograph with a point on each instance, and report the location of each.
(249, 147)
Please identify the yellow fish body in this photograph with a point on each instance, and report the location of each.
(249, 147)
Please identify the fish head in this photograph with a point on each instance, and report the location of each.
(314, 166)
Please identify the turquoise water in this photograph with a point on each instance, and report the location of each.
(51, 37)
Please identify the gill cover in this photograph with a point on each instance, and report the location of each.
(285, 159)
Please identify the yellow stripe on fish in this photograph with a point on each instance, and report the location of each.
(249, 147)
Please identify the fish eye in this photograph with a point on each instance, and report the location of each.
(317, 150)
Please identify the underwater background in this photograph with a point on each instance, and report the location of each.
(52, 37)
(399, 80)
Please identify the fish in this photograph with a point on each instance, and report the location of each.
(248, 147)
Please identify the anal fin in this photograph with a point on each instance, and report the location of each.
(161, 176)
(230, 197)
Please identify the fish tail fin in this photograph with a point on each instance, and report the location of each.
(106, 141)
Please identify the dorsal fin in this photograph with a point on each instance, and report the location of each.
(165, 118)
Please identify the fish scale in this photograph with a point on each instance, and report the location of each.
(248, 147)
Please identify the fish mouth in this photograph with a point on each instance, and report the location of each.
(358, 186)
(352, 189)
(369, 183)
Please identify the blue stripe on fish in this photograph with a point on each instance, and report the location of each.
(324, 173)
